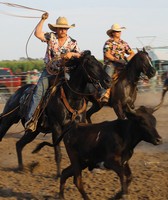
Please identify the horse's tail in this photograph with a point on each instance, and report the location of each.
(42, 144)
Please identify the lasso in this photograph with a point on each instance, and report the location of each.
(22, 16)
(19, 6)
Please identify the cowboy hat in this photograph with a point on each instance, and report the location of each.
(61, 22)
(115, 27)
(35, 71)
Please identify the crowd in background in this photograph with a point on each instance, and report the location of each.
(30, 77)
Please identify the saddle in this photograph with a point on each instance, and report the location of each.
(40, 110)
(106, 96)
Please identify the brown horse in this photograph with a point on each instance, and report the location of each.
(124, 90)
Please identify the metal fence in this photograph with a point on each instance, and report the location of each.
(155, 84)
(10, 83)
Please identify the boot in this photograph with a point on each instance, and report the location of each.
(31, 125)
(106, 96)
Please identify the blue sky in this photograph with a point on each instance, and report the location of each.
(145, 20)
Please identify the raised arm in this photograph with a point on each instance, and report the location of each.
(39, 32)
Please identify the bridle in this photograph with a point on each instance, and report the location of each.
(95, 82)
(145, 67)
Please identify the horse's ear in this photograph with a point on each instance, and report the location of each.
(138, 50)
(86, 52)
(144, 50)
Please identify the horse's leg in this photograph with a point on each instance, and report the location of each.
(57, 151)
(4, 127)
(118, 109)
(27, 138)
(94, 108)
(6, 122)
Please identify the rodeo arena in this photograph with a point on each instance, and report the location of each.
(37, 176)
(83, 148)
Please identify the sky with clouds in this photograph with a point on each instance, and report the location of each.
(145, 20)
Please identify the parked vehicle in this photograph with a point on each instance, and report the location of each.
(9, 82)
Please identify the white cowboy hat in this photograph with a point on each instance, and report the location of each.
(61, 22)
(115, 27)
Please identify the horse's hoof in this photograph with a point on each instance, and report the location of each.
(60, 197)
(19, 170)
(57, 176)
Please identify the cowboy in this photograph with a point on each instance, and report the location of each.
(60, 47)
(116, 53)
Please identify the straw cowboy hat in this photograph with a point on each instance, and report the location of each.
(35, 71)
(61, 22)
(115, 27)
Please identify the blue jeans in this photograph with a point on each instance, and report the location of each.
(39, 92)
(109, 69)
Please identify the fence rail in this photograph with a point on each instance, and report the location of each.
(155, 84)
(10, 83)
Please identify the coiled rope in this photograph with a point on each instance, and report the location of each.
(22, 16)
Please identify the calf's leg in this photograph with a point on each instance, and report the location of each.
(79, 184)
(66, 173)
(125, 176)
(76, 170)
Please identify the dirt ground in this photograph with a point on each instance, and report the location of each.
(149, 165)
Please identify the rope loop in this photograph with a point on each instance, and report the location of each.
(22, 16)
(18, 6)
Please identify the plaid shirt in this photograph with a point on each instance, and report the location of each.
(117, 49)
(54, 51)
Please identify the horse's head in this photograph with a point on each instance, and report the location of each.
(91, 69)
(94, 70)
(145, 63)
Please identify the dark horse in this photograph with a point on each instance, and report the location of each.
(61, 109)
(124, 91)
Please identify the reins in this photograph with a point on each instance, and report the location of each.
(73, 111)
(79, 93)
(6, 114)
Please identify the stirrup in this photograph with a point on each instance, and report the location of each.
(104, 99)
(115, 76)
(31, 125)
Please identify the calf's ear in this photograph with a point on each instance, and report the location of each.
(134, 117)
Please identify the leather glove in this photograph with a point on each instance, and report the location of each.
(44, 15)
(123, 62)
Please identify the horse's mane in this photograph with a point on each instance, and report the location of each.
(76, 61)
(132, 68)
